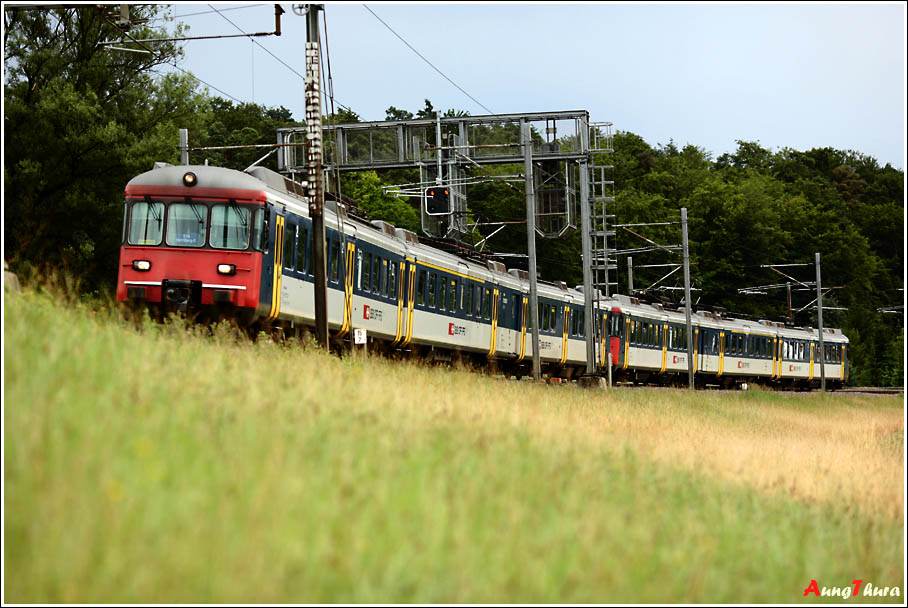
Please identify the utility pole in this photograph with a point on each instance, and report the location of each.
(316, 189)
(690, 336)
(527, 141)
(788, 290)
(821, 357)
(184, 146)
(630, 276)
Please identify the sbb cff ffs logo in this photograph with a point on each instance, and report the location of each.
(437, 200)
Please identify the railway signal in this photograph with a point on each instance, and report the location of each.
(437, 200)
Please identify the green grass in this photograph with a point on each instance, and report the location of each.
(155, 465)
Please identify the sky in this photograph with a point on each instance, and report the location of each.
(786, 75)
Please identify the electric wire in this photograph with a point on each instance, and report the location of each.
(281, 61)
(459, 88)
(170, 63)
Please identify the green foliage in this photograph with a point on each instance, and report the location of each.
(242, 124)
(365, 188)
(80, 121)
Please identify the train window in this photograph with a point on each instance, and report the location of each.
(230, 227)
(580, 322)
(430, 294)
(365, 278)
(392, 279)
(477, 301)
(468, 299)
(452, 295)
(125, 222)
(421, 287)
(260, 231)
(359, 268)
(302, 248)
(186, 225)
(146, 225)
(335, 261)
(442, 292)
(376, 274)
(486, 296)
(384, 277)
(289, 233)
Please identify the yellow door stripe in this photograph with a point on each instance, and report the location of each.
(494, 314)
(400, 302)
(810, 377)
(603, 348)
(348, 292)
(721, 353)
(627, 341)
(774, 347)
(278, 265)
(664, 347)
(411, 301)
(523, 330)
(564, 340)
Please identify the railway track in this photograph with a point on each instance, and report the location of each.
(873, 390)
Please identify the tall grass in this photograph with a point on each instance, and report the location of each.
(148, 463)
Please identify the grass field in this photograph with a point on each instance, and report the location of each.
(156, 465)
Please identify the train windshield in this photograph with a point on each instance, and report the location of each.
(146, 226)
(186, 225)
(230, 227)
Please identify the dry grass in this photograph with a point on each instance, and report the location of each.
(155, 466)
(843, 449)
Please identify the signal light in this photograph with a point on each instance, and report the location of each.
(437, 200)
(189, 179)
(141, 265)
(226, 269)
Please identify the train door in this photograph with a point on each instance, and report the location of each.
(272, 264)
(522, 323)
(613, 333)
(399, 294)
(493, 294)
(407, 300)
(506, 320)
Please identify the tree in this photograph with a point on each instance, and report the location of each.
(80, 121)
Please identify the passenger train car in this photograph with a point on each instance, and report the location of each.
(231, 244)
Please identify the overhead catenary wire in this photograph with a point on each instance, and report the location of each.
(278, 59)
(170, 63)
(410, 46)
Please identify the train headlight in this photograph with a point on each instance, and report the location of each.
(189, 179)
(226, 269)
(141, 265)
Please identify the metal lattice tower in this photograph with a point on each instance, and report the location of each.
(602, 199)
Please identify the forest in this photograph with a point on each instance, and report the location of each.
(80, 121)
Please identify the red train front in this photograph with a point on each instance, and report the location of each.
(193, 240)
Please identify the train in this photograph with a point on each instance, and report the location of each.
(227, 244)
